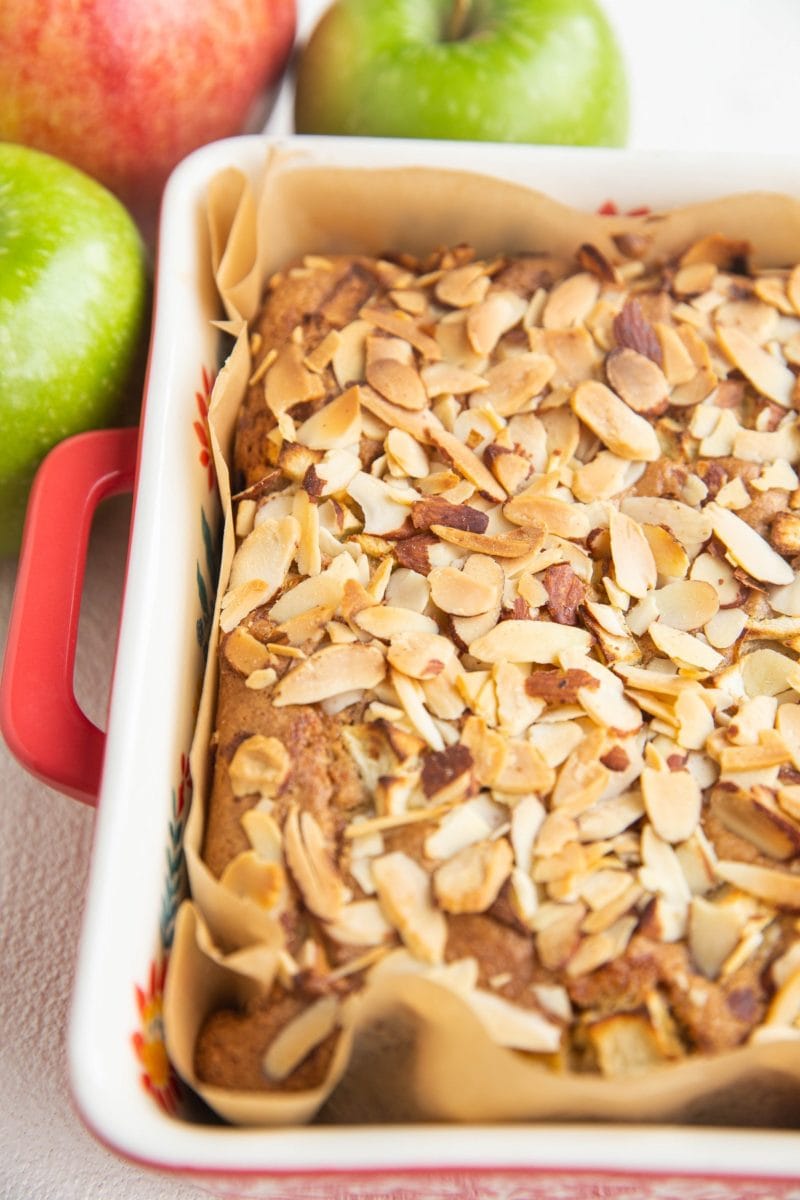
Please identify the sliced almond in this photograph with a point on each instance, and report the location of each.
(513, 383)
(360, 923)
(466, 593)
(559, 517)
(686, 604)
(404, 892)
(747, 548)
(311, 865)
(466, 463)
(514, 544)
(400, 325)
(779, 888)
(383, 507)
(756, 817)
(672, 801)
(464, 286)
(336, 425)
(259, 765)
(299, 1037)
(634, 565)
(420, 655)
(768, 375)
(684, 648)
(398, 383)
(266, 555)
(672, 561)
(638, 380)
(570, 302)
(618, 427)
(690, 527)
(491, 318)
(330, 672)
(529, 642)
(385, 622)
(470, 881)
(512, 1025)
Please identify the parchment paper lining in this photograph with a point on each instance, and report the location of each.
(225, 946)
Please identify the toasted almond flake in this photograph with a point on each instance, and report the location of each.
(512, 384)
(401, 325)
(421, 655)
(528, 642)
(259, 765)
(690, 527)
(386, 622)
(404, 892)
(570, 301)
(330, 672)
(246, 653)
(511, 1025)
(770, 752)
(747, 548)
(618, 427)
(320, 591)
(778, 888)
(466, 463)
(447, 379)
(686, 604)
(265, 555)
(238, 603)
(755, 816)
(672, 801)
(311, 865)
(524, 770)
(299, 1037)
(560, 517)
(348, 357)
(334, 426)
(491, 318)
(464, 286)
(602, 947)
(709, 568)
(751, 445)
(684, 648)
(514, 544)
(289, 382)
(472, 821)
(405, 455)
(398, 383)
(661, 869)
(412, 698)
(634, 565)
(639, 381)
(470, 881)
(360, 923)
(462, 593)
(768, 375)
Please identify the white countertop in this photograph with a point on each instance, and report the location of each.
(705, 74)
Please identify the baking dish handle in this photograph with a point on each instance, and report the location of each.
(40, 718)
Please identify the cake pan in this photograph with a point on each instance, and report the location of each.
(137, 773)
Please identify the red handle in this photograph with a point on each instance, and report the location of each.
(39, 716)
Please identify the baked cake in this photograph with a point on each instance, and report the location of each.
(508, 687)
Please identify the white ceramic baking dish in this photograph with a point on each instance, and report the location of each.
(122, 1082)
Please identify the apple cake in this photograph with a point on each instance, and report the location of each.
(508, 680)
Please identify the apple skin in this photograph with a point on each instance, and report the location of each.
(74, 303)
(537, 71)
(125, 89)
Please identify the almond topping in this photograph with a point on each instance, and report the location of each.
(470, 881)
(404, 893)
(329, 672)
(777, 888)
(529, 642)
(420, 655)
(767, 374)
(618, 427)
(672, 801)
(299, 1037)
(634, 565)
(398, 383)
(260, 764)
(638, 380)
(514, 544)
(334, 426)
(747, 548)
(311, 865)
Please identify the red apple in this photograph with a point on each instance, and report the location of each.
(125, 89)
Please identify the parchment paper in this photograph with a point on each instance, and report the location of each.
(226, 946)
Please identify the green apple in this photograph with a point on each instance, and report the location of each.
(538, 71)
(73, 307)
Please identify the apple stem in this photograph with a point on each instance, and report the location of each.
(459, 19)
